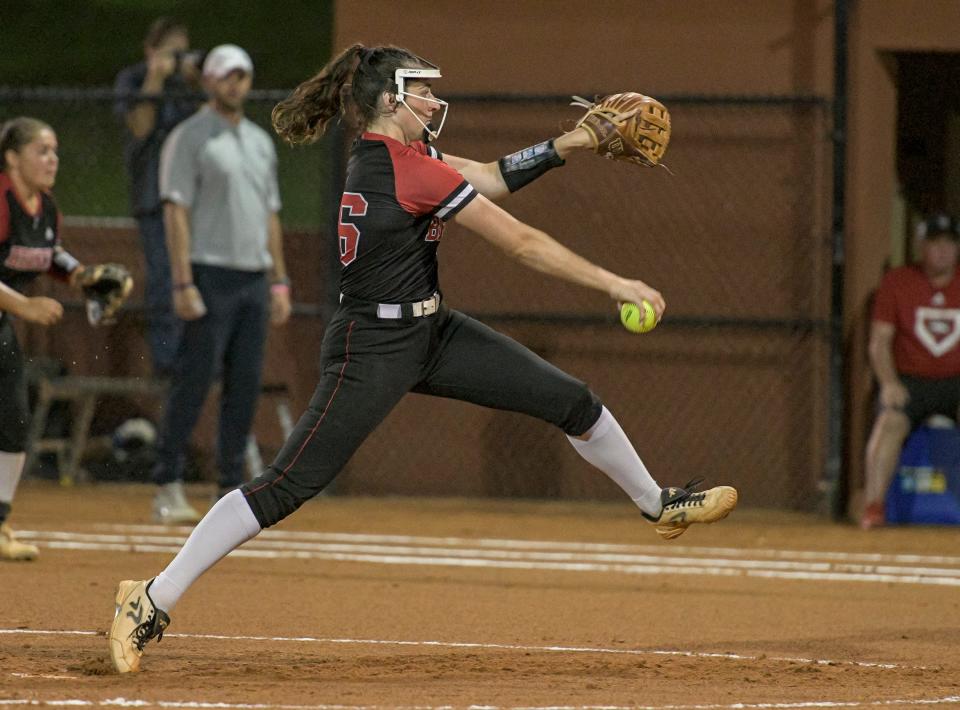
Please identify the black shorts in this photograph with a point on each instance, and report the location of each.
(369, 364)
(14, 412)
(929, 397)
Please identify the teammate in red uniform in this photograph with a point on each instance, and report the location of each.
(393, 333)
(914, 351)
(29, 246)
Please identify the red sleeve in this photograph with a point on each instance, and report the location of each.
(885, 302)
(427, 150)
(428, 186)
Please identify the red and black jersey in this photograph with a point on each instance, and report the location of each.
(395, 202)
(27, 239)
(926, 341)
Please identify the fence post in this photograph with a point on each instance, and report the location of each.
(835, 483)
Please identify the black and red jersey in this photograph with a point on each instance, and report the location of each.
(394, 204)
(27, 239)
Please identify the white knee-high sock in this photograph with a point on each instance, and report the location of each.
(11, 466)
(610, 450)
(229, 524)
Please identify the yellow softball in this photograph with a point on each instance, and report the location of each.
(638, 319)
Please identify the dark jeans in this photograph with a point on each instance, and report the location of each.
(163, 327)
(229, 341)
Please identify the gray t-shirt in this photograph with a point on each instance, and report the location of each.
(226, 175)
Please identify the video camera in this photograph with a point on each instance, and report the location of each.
(191, 60)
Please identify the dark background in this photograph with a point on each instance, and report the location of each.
(85, 42)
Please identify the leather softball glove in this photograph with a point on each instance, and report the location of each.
(105, 287)
(627, 126)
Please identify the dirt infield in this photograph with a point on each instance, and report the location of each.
(428, 603)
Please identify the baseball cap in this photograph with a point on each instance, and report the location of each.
(933, 225)
(225, 58)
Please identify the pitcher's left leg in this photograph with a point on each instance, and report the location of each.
(474, 363)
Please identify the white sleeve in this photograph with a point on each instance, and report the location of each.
(179, 170)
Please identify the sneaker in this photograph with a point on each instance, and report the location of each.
(684, 506)
(874, 516)
(135, 622)
(13, 549)
(170, 506)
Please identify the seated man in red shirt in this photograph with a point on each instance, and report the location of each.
(914, 351)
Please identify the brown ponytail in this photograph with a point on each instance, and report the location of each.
(350, 84)
(304, 115)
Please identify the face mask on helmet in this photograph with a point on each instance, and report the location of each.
(401, 76)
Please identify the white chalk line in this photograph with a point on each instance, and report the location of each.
(662, 558)
(493, 646)
(200, 705)
(508, 543)
(517, 559)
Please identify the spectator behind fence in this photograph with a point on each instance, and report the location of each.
(29, 246)
(914, 351)
(152, 97)
(218, 180)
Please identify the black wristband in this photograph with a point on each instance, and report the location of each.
(525, 166)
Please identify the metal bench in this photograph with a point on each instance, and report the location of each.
(84, 392)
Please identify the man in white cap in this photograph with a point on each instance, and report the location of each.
(218, 181)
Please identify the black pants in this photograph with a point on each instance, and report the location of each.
(929, 397)
(368, 364)
(163, 326)
(228, 341)
(14, 411)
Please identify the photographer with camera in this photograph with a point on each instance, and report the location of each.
(152, 97)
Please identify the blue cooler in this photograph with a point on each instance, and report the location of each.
(926, 487)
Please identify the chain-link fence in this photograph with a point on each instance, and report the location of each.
(731, 386)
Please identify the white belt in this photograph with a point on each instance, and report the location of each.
(420, 308)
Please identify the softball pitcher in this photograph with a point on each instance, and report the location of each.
(393, 333)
